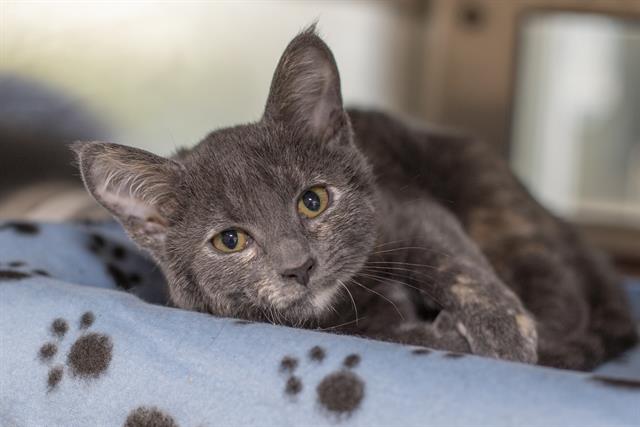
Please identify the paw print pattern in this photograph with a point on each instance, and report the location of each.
(19, 270)
(338, 393)
(114, 256)
(149, 416)
(88, 357)
(21, 228)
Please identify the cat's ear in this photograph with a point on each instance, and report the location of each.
(137, 187)
(305, 90)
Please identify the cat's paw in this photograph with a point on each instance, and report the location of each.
(339, 393)
(439, 335)
(510, 335)
(88, 357)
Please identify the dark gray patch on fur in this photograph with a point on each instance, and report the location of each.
(12, 275)
(288, 364)
(15, 264)
(341, 392)
(317, 354)
(90, 355)
(59, 327)
(351, 361)
(421, 351)
(149, 416)
(54, 377)
(294, 386)
(87, 320)
(47, 351)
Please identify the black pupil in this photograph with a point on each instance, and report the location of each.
(230, 238)
(311, 201)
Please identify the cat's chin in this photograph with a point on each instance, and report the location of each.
(302, 304)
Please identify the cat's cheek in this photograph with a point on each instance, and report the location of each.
(321, 230)
(245, 256)
(335, 194)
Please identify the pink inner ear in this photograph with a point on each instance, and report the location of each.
(155, 219)
(125, 204)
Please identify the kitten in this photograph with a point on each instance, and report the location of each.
(352, 221)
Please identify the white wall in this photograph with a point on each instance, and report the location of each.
(167, 73)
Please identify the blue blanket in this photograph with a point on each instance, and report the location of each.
(87, 340)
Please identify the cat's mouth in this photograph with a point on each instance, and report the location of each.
(287, 302)
(301, 303)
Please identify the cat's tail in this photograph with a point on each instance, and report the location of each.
(36, 125)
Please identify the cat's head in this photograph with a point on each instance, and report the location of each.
(264, 220)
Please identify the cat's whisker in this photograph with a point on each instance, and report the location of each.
(401, 272)
(399, 267)
(380, 295)
(390, 243)
(384, 279)
(355, 308)
(411, 248)
(341, 324)
(408, 264)
(398, 272)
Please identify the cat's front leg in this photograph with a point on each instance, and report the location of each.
(504, 330)
(445, 266)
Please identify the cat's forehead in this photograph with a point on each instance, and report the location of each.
(255, 166)
(257, 154)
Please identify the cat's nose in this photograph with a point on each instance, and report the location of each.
(300, 274)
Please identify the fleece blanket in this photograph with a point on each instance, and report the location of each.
(86, 339)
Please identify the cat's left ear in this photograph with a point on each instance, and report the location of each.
(137, 187)
(305, 90)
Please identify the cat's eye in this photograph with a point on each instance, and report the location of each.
(313, 202)
(231, 240)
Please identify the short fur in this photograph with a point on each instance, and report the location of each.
(428, 239)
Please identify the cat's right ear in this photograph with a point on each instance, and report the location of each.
(137, 187)
(305, 91)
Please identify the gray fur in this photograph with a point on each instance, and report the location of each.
(410, 234)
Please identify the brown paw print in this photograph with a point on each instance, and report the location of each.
(338, 393)
(21, 228)
(19, 270)
(114, 256)
(88, 357)
(149, 416)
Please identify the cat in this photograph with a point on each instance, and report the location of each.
(354, 222)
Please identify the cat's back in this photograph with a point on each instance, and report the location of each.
(405, 154)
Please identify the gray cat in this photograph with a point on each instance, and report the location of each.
(354, 222)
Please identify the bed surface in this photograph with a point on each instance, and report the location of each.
(86, 340)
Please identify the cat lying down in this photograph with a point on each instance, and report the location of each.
(351, 221)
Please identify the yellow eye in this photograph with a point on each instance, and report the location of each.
(313, 202)
(230, 240)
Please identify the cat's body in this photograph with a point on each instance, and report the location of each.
(429, 178)
(355, 222)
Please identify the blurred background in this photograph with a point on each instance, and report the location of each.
(553, 85)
